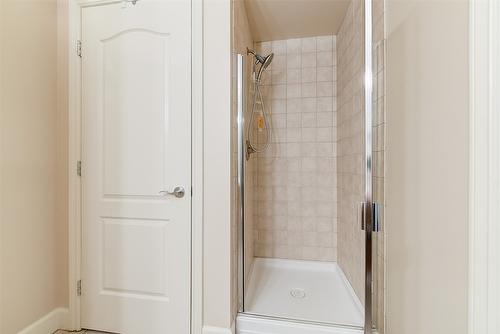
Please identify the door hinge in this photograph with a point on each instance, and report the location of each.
(79, 48)
(79, 168)
(79, 288)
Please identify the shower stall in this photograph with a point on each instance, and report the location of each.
(308, 144)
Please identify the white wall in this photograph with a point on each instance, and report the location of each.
(32, 255)
(427, 167)
(217, 165)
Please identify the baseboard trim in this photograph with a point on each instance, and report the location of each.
(218, 330)
(49, 323)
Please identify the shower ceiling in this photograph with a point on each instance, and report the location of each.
(283, 19)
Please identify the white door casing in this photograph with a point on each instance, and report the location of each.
(136, 142)
(484, 183)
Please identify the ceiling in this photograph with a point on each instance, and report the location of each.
(283, 19)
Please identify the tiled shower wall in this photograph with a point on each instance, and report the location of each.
(351, 251)
(295, 195)
(350, 143)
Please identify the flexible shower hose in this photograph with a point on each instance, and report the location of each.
(267, 123)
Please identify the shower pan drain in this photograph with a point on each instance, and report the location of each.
(298, 293)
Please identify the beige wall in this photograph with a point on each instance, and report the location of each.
(427, 166)
(33, 256)
(62, 149)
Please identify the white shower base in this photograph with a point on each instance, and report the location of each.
(300, 290)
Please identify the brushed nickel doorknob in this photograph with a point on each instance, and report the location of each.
(178, 192)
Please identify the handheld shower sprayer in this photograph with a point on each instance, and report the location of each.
(259, 115)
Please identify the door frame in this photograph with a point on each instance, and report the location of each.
(75, 150)
(484, 167)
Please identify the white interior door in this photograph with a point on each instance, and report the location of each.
(136, 107)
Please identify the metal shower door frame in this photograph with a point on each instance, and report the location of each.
(241, 152)
(370, 218)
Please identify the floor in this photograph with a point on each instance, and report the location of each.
(302, 290)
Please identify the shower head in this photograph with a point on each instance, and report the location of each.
(264, 61)
(267, 60)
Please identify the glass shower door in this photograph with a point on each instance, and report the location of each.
(366, 114)
(358, 157)
(377, 165)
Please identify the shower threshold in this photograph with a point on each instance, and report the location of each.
(253, 324)
(307, 291)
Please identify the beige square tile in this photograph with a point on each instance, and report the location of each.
(279, 91)
(324, 59)
(324, 224)
(279, 62)
(278, 77)
(325, 89)
(309, 44)
(293, 150)
(293, 91)
(279, 135)
(325, 134)
(279, 47)
(293, 106)
(309, 105)
(309, 60)
(278, 106)
(325, 103)
(309, 89)
(278, 120)
(293, 61)
(310, 253)
(309, 135)
(293, 135)
(293, 45)
(324, 43)
(309, 165)
(324, 119)
(293, 120)
(325, 73)
(293, 76)
(309, 74)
